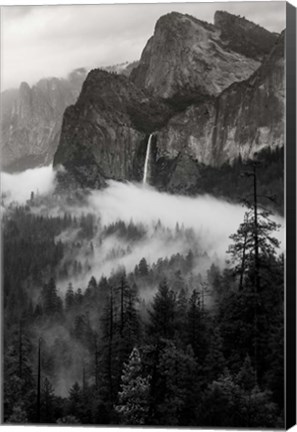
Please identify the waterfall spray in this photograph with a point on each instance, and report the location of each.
(147, 157)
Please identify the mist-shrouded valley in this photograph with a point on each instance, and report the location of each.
(143, 234)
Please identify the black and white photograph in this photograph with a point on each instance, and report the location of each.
(143, 221)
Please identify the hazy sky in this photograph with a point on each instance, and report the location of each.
(42, 41)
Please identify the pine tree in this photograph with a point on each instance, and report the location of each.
(123, 291)
(143, 268)
(69, 297)
(196, 327)
(162, 315)
(240, 249)
(215, 361)
(181, 315)
(18, 416)
(252, 243)
(131, 331)
(126, 328)
(221, 403)
(78, 297)
(18, 376)
(133, 403)
(253, 254)
(237, 401)
(47, 403)
(52, 303)
(108, 349)
(176, 387)
(92, 288)
(257, 408)
(75, 402)
(246, 377)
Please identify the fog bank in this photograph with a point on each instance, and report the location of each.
(18, 187)
(210, 222)
(213, 219)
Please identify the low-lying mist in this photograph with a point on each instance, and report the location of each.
(205, 223)
(108, 231)
(18, 187)
(212, 220)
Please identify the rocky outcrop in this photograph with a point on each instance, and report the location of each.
(104, 134)
(32, 118)
(187, 59)
(122, 68)
(246, 118)
(243, 36)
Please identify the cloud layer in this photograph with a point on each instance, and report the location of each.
(204, 223)
(18, 187)
(41, 41)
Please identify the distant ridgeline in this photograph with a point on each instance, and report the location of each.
(209, 110)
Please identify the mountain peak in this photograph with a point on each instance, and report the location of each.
(175, 21)
(32, 121)
(169, 17)
(24, 87)
(108, 89)
(186, 57)
(244, 36)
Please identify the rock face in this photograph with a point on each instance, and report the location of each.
(104, 134)
(228, 111)
(122, 68)
(243, 36)
(244, 119)
(187, 58)
(32, 118)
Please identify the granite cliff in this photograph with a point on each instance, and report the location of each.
(243, 36)
(32, 117)
(205, 103)
(104, 134)
(243, 120)
(190, 59)
(31, 120)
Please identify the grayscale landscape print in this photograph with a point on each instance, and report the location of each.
(142, 214)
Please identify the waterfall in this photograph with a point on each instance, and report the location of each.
(147, 157)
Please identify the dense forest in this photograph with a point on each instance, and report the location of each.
(227, 181)
(169, 342)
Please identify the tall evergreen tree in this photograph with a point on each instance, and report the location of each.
(162, 314)
(214, 361)
(69, 297)
(18, 378)
(196, 326)
(253, 253)
(133, 405)
(52, 303)
(173, 395)
(47, 414)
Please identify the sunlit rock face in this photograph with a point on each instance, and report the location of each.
(186, 57)
(242, 120)
(32, 119)
(238, 107)
(104, 134)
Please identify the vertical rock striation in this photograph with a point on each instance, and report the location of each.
(244, 119)
(207, 97)
(104, 134)
(187, 58)
(32, 118)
